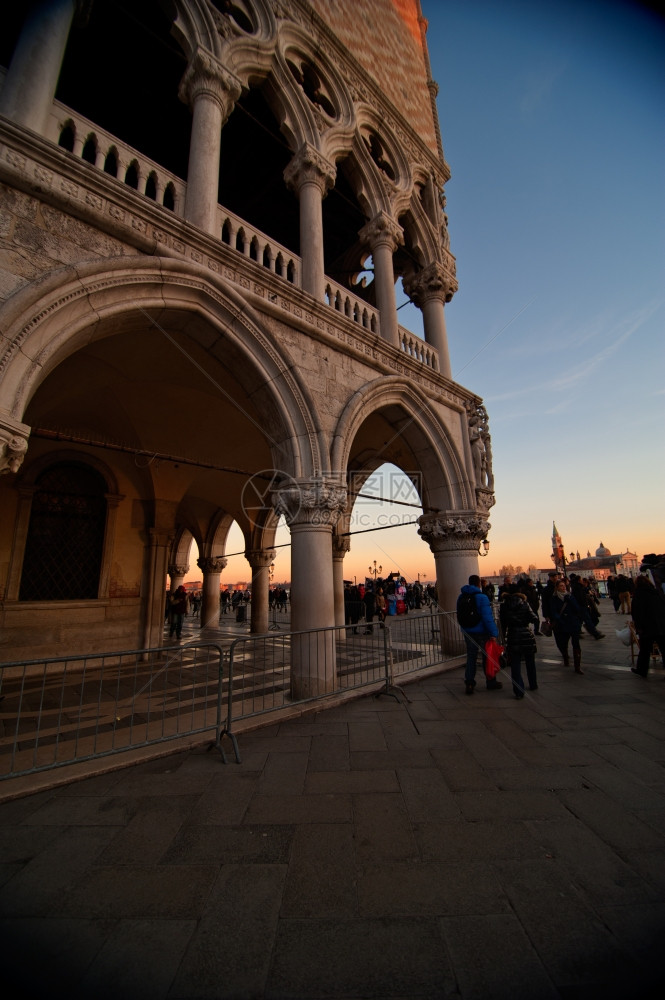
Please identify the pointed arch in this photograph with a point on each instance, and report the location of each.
(48, 321)
(427, 441)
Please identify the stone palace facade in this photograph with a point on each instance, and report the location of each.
(204, 209)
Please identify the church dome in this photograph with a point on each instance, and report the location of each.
(602, 551)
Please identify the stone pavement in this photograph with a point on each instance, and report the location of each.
(444, 846)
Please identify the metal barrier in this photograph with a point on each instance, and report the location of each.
(270, 672)
(67, 710)
(71, 709)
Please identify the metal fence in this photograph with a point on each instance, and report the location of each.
(270, 672)
(72, 709)
(55, 712)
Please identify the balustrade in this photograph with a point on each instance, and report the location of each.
(103, 151)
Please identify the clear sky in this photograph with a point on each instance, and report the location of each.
(552, 119)
(553, 122)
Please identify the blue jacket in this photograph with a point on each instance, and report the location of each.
(486, 625)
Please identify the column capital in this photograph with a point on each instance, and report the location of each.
(260, 558)
(309, 166)
(382, 230)
(211, 564)
(205, 75)
(434, 282)
(341, 545)
(175, 570)
(453, 531)
(310, 501)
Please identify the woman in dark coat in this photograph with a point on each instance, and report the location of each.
(648, 613)
(567, 616)
(516, 619)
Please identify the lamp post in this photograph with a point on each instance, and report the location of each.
(486, 546)
(375, 572)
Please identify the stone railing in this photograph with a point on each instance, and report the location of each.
(255, 245)
(418, 349)
(105, 152)
(356, 309)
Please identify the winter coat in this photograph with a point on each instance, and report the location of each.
(486, 625)
(566, 615)
(516, 616)
(648, 610)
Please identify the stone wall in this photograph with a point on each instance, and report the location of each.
(385, 37)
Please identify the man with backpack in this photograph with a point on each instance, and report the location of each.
(475, 618)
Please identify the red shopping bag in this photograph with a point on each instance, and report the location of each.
(493, 656)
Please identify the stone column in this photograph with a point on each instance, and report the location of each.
(211, 567)
(454, 538)
(311, 508)
(211, 92)
(159, 545)
(383, 236)
(29, 88)
(430, 289)
(341, 545)
(311, 176)
(260, 560)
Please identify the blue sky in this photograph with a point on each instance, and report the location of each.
(552, 119)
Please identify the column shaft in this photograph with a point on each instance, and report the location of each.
(311, 239)
(384, 279)
(204, 157)
(434, 322)
(32, 78)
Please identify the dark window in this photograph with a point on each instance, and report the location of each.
(66, 139)
(63, 553)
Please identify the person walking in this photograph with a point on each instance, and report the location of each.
(178, 610)
(648, 614)
(517, 617)
(369, 600)
(476, 620)
(566, 616)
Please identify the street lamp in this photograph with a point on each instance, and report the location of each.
(486, 546)
(375, 572)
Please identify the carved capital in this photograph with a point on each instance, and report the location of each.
(260, 558)
(177, 570)
(310, 501)
(341, 545)
(13, 444)
(211, 564)
(453, 531)
(206, 76)
(433, 282)
(309, 166)
(382, 230)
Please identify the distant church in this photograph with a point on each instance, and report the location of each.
(600, 566)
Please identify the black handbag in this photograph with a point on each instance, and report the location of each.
(546, 627)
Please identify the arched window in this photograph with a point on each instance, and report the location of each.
(168, 200)
(63, 552)
(67, 136)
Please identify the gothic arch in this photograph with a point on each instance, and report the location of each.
(445, 483)
(50, 320)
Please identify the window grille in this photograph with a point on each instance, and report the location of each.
(63, 553)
